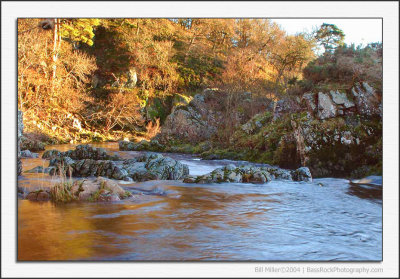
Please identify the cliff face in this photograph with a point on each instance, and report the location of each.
(334, 133)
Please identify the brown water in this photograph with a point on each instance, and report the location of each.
(170, 220)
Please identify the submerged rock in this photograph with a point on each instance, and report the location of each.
(21, 192)
(38, 195)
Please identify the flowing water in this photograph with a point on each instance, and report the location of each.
(170, 220)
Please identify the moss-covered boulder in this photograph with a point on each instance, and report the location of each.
(89, 162)
(250, 174)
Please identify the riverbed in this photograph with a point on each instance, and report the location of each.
(326, 220)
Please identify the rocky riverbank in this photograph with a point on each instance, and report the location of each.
(336, 133)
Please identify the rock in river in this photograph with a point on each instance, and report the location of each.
(29, 154)
(99, 189)
(88, 161)
(250, 174)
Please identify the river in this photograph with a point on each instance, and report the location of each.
(326, 220)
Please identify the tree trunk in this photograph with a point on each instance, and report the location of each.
(189, 48)
(56, 38)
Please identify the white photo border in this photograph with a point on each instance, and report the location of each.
(12, 10)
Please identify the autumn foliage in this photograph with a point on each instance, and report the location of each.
(75, 80)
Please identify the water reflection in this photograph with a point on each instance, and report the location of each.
(215, 222)
(170, 220)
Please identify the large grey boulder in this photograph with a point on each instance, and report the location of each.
(341, 101)
(326, 107)
(367, 100)
(302, 174)
(340, 98)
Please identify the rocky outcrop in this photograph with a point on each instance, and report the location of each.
(367, 100)
(250, 174)
(329, 136)
(20, 129)
(191, 122)
(363, 100)
(340, 146)
(88, 161)
(206, 113)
